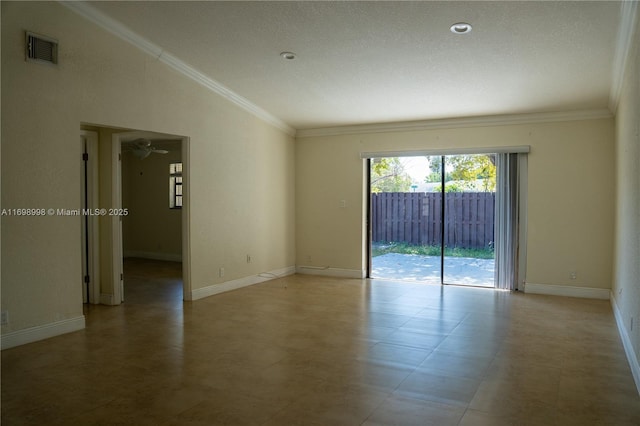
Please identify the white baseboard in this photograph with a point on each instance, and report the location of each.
(170, 257)
(565, 290)
(203, 292)
(331, 272)
(107, 299)
(626, 342)
(41, 332)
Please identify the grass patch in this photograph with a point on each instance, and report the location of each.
(378, 249)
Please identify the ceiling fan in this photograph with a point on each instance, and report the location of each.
(142, 148)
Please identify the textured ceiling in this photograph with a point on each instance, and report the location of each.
(377, 62)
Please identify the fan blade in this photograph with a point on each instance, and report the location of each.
(159, 151)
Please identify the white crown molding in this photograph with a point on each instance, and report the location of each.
(114, 27)
(624, 41)
(483, 121)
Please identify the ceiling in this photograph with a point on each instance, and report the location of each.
(381, 62)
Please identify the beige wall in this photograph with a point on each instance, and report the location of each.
(626, 278)
(242, 169)
(151, 229)
(571, 181)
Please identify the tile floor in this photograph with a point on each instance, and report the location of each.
(305, 350)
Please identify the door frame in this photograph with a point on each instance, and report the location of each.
(116, 203)
(90, 224)
(367, 219)
(116, 220)
(523, 185)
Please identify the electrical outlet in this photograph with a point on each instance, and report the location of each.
(248, 258)
(573, 275)
(309, 258)
(221, 272)
(4, 317)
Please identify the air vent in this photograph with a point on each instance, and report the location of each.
(41, 49)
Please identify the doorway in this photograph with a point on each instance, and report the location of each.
(102, 250)
(154, 223)
(431, 219)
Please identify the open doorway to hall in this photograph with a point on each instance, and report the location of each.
(139, 184)
(422, 233)
(152, 195)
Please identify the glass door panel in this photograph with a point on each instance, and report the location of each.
(406, 219)
(469, 220)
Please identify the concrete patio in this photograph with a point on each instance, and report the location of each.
(417, 268)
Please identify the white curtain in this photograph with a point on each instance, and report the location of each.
(507, 221)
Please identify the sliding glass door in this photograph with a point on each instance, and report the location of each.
(431, 219)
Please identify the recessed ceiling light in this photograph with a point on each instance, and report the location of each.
(461, 28)
(289, 56)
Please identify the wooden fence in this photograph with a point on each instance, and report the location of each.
(415, 218)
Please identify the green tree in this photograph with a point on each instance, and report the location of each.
(388, 175)
(435, 165)
(465, 170)
(469, 168)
